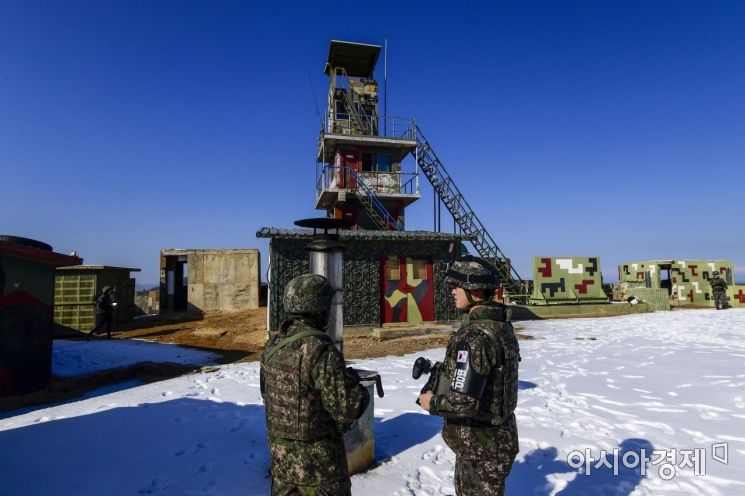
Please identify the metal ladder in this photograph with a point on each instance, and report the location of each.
(465, 217)
(375, 208)
(363, 121)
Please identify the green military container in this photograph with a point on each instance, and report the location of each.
(567, 280)
(76, 290)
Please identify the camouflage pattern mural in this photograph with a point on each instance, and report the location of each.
(737, 295)
(567, 280)
(687, 281)
(408, 289)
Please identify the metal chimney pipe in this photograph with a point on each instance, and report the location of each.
(326, 259)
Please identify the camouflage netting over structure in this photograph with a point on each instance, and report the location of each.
(687, 281)
(363, 256)
(567, 280)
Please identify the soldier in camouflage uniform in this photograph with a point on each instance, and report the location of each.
(309, 395)
(475, 388)
(719, 290)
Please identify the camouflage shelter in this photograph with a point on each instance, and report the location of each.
(27, 269)
(389, 276)
(686, 281)
(76, 289)
(558, 280)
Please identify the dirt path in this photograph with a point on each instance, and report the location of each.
(240, 336)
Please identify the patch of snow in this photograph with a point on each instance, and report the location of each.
(76, 357)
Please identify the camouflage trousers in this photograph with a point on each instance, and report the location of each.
(720, 300)
(482, 477)
(340, 488)
(314, 468)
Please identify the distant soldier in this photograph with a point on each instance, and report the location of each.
(719, 290)
(309, 395)
(476, 386)
(104, 312)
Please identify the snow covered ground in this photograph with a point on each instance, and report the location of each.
(654, 382)
(71, 358)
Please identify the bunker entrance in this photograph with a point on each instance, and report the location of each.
(177, 282)
(666, 281)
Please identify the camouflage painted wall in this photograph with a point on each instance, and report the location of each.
(567, 280)
(737, 296)
(688, 282)
(361, 273)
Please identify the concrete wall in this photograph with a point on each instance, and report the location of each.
(222, 279)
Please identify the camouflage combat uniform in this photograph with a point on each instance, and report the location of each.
(310, 398)
(719, 291)
(482, 432)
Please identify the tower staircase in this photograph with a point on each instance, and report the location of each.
(374, 207)
(358, 116)
(465, 217)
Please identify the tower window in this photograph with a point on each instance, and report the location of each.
(384, 162)
(376, 162)
(368, 162)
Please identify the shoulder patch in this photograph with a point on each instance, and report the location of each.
(462, 356)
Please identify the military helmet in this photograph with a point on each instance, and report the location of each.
(309, 294)
(473, 273)
(715, 273)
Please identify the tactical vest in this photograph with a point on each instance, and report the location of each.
(499, 399)
(718, 285)
(505, 383)
(293, 405)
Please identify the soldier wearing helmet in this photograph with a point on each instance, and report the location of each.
(719, 290)
(476, 387)
(309, 395)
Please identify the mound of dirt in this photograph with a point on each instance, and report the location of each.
(240, 336)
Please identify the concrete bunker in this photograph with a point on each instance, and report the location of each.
(203, 280)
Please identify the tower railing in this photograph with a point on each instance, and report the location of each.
(465, 217)
(335, 178)
(368, 198)
(356, 124)
(347, 179)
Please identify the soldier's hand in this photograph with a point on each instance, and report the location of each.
(425, 400)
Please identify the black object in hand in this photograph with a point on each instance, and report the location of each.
(421, 366)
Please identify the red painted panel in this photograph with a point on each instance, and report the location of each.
(546, 269)
(22, 298)
(397, 312)
(740, 297)
(426, 302)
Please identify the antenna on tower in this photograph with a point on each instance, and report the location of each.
(385, 87)
(313, 91)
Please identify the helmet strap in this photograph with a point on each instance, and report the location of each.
(471, 302)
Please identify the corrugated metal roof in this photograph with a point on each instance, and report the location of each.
(361, 234)
(357, 59)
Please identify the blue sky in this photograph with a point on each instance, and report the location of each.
(610, 129)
